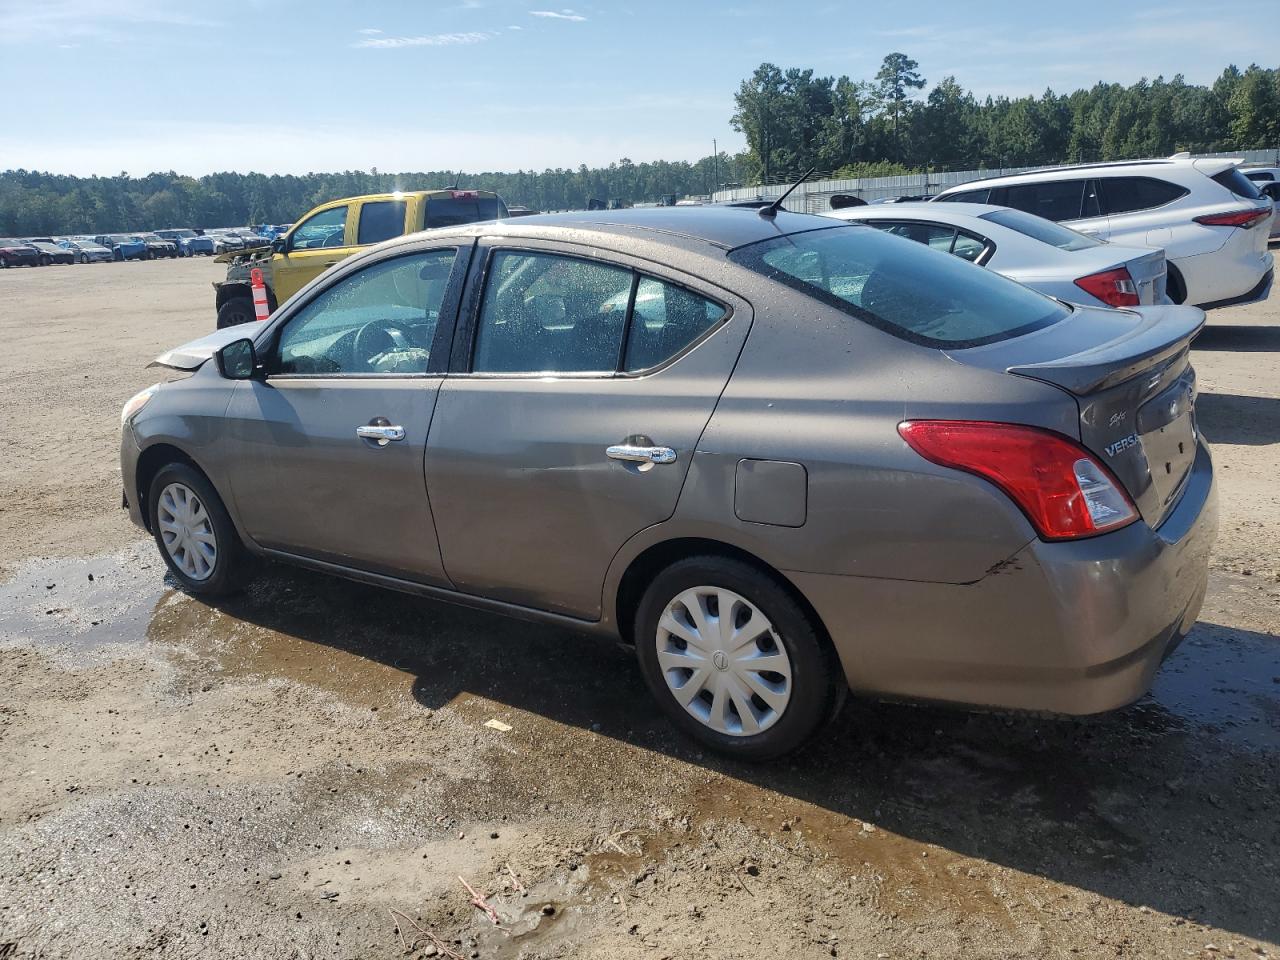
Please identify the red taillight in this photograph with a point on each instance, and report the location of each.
(1238, 218)
(1113, 287)
(1063, 489)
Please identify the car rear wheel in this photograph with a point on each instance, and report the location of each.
(195, 535)
(84, 258)
(46, 261)
(734, 659)
(234, 311)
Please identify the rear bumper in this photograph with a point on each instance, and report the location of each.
(1260, 292)
(1069, 628)
(1234, 273)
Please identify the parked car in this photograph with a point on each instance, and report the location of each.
(1205, 214)
(1271, 190)
(50, 252)
(18, 253)
(1262, 175)
(804, 456)
(1042, 254)
(86, 251)
(158, 247)
(189, 242)
(122, 246)
(334, 231)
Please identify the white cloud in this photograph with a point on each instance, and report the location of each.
(565, 14)
(433, 40)
(111, 20)
(514, 27)
(369, 31)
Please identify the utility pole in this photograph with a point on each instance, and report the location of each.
(715, 167)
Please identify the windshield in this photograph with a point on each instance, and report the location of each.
(902, 287)
(1038, 228)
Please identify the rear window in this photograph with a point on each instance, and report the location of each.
(1237, 183)
(1261, 176)
(968, 196)
(380, 220)
(904, 288)
(1038, 228)
(452, 211)
(1124, 194)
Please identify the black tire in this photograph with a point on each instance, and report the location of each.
(117, 256)
(46, 261)
(84, 258)
(1175, 286)
(818, 683)
(232, 564)
(235, 310)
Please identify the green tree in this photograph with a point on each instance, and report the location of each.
(896, 78)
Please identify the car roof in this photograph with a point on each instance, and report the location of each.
(725, 227)
(1209, 166)
(921, 209)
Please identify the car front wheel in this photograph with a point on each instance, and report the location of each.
(234, 311)
(734, 659)
(195, 535)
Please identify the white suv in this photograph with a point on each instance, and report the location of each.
(1209, 218)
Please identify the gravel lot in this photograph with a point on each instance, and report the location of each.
(306, 771)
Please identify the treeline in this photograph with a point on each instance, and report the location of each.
(34, 203)
(793, 119)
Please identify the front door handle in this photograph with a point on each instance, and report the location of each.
(634, 453)
(381, 433)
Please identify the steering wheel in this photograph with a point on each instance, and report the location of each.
(362, 348)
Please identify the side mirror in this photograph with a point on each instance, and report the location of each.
(280, 245)
(238, 360)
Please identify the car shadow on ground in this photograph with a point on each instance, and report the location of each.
(1230, 418)
(1238, 339)
(1148, 806)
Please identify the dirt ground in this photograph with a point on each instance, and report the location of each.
(307, 770)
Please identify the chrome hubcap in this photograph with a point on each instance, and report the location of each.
(187, 531)
(723, 661)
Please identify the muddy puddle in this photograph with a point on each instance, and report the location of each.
(367, 645)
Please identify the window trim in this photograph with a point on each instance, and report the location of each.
(436, 367)
(468, 326)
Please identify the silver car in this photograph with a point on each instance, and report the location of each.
(1040, 253)
(782, 456)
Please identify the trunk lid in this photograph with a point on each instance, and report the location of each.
(1130, 375)
(1148, 271)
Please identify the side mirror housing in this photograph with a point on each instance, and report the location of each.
(238, 360)
(280, 245)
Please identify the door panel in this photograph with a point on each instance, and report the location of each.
(305, 483)
(529, 507)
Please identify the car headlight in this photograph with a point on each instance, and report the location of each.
(137, 402)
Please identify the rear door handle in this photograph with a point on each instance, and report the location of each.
(382, 434)
(637, 454)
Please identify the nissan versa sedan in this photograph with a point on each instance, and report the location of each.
(781, 456)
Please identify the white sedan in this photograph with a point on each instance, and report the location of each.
(1042, 254)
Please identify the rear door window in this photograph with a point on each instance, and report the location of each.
(545, 313)
(1237, 183)
(380, 220)
(902, 288)
(1051, 199)
(1125, 194)
(933, 235)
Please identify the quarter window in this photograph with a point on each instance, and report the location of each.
(380, 220)
(325, 229)
(381, 320)
(665, 320)
(1051, 199)
(968, 196)
(968, 248)
(1124, 194)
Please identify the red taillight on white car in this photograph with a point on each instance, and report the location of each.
(1115, 287)
(1244, 219)
(1064, 490)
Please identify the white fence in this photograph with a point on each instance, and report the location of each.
(815, 196)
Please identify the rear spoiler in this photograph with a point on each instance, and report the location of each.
(1162, 333)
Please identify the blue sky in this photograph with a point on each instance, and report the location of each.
(287, 86)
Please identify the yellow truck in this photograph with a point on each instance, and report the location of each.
(334, 231)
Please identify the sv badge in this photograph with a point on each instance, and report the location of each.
(1124, 443)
